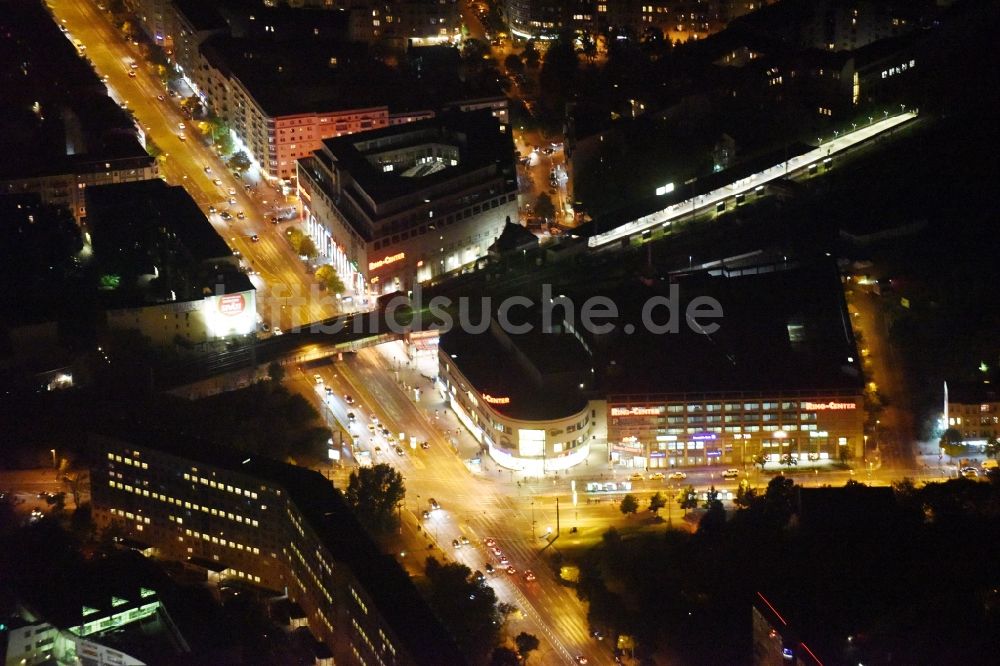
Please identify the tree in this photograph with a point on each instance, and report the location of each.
(328, 277)
(588, 46)
(526, 643)
(629, 504)
(308, 248)
(712, 497)
(474, 49)
(466, 605)
(504, 656)
(276, 372)
(375, 492)
(951, 443)
(745, 495)
(789, 461)
(544, 207)
(992, 448)
(688, 499)
(240, 161)
(531, 55)
(760, 460)
(295, 238)
(657, 502)
(76, 482)
(513, 64)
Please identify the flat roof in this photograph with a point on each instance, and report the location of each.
(289, 78)
(786, 330)
(76, 127)
(476, 134)
(538, 372)
(125, 212)
(329, 515)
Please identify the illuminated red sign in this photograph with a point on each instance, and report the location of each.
(391, 259)
(828, 406)
(635, 411)
(232, 304)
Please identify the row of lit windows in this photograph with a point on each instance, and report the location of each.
(220, 486)
(128, 461)
(187, 505)
(130, 516)
(244, 575)
(734, 429)
(221, 542)
(312, 574)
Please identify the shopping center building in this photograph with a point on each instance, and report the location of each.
(780, 377)
(395, 206)
(525, 398)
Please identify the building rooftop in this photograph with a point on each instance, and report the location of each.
(476, 137)
(124, 214)
(55, 114)
(973, 393)
(537, 375)
(781, 331)
(329, 515)
(149, 227)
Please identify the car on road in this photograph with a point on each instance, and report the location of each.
(277, 331)
(455, 543)
(329, 391)
(970, 472)
(351, 417)
(349, 400)
(208, 169)
(512, 571)
(426, 514)
(232, 191)
(232, 201)
(183, 138)
(217, 182)
(678, 476)
(489, 569)
(212, 209)
(490, 542)
(580, 659)
(226, 215)
(241, 215)
(399, 450)
(255, 238)
(529, 575)
(496, 551)
(318, 378)
(656, 476)
(731, 473)
(464, 540)
(425, 445)
(161, 98)
(434, 504)
(181, 126)
(636, 477)
(504, 561)
(371, 427)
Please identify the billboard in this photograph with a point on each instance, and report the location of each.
(230, 314)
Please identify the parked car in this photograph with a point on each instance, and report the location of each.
(731, 473)
(656, 476)
(678, 476)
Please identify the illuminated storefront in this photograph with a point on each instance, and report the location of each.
(726, 429)
(533, 446)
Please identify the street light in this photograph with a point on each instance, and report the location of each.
(53, 451)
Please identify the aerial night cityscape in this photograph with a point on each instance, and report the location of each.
(499, 332)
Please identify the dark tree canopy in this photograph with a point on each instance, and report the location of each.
(375, 493)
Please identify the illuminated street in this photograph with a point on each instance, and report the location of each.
(283, 286)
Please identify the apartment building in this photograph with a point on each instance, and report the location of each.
(272, 525)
